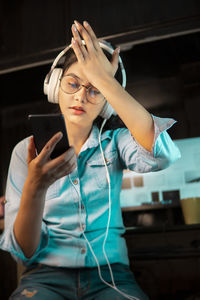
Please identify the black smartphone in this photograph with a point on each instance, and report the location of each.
(44, 126)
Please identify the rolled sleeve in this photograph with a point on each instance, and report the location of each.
(136, 158)
(15, 181)
(8, 243)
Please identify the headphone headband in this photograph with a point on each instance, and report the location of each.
(52, 79)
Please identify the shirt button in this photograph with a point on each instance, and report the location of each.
(75, 181)
(83, 251)
(83, 226)
(106, 160)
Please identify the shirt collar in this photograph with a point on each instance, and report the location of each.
(93, 139)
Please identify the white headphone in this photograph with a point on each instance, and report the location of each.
(52, 79)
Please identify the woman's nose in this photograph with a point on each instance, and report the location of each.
(81, 95)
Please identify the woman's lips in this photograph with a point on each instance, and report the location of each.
(77, 110)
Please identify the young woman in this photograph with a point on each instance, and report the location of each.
(57, 210)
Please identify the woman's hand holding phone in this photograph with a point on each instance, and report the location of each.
(44, 171)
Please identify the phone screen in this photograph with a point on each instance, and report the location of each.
(44, 126)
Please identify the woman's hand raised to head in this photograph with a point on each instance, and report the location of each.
(90, 56)
(42, 171)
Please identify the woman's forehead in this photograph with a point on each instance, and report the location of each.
(76, 70)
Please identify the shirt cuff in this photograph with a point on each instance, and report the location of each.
(8, 243)
(160, 125)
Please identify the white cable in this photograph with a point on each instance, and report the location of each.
(107, 228)
(108, 223)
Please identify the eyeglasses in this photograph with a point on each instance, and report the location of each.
(71, 85)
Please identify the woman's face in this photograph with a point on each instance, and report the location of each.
(75, 107)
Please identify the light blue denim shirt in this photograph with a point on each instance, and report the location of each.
(62, 242)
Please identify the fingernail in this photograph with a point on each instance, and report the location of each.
(74, 27)
(59, 135)
(73, 41)
(118, 49)
(76, 22)
(86, 23)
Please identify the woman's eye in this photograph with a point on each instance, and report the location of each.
(73, 85)
(94, 92)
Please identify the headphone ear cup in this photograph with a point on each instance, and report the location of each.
(51, 89)
(107, 111)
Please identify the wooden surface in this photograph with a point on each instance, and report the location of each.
(150, 206)
(166, 260)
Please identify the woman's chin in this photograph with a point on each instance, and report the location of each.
(78, 120)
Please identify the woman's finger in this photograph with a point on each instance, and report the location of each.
(77, 50)
(79, 41)
(44, 155)
(115, 60)
(86, 37)
(92, 35)
(31, 150)
(66, 168)
(66, 158)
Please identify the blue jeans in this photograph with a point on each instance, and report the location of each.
(56, 283)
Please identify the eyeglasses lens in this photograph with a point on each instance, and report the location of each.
(71, 85)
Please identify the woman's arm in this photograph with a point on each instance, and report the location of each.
(28, 222)
(137, 119)
(100, 72)
(42, 172)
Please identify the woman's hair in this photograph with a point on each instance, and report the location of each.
(113, 122)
